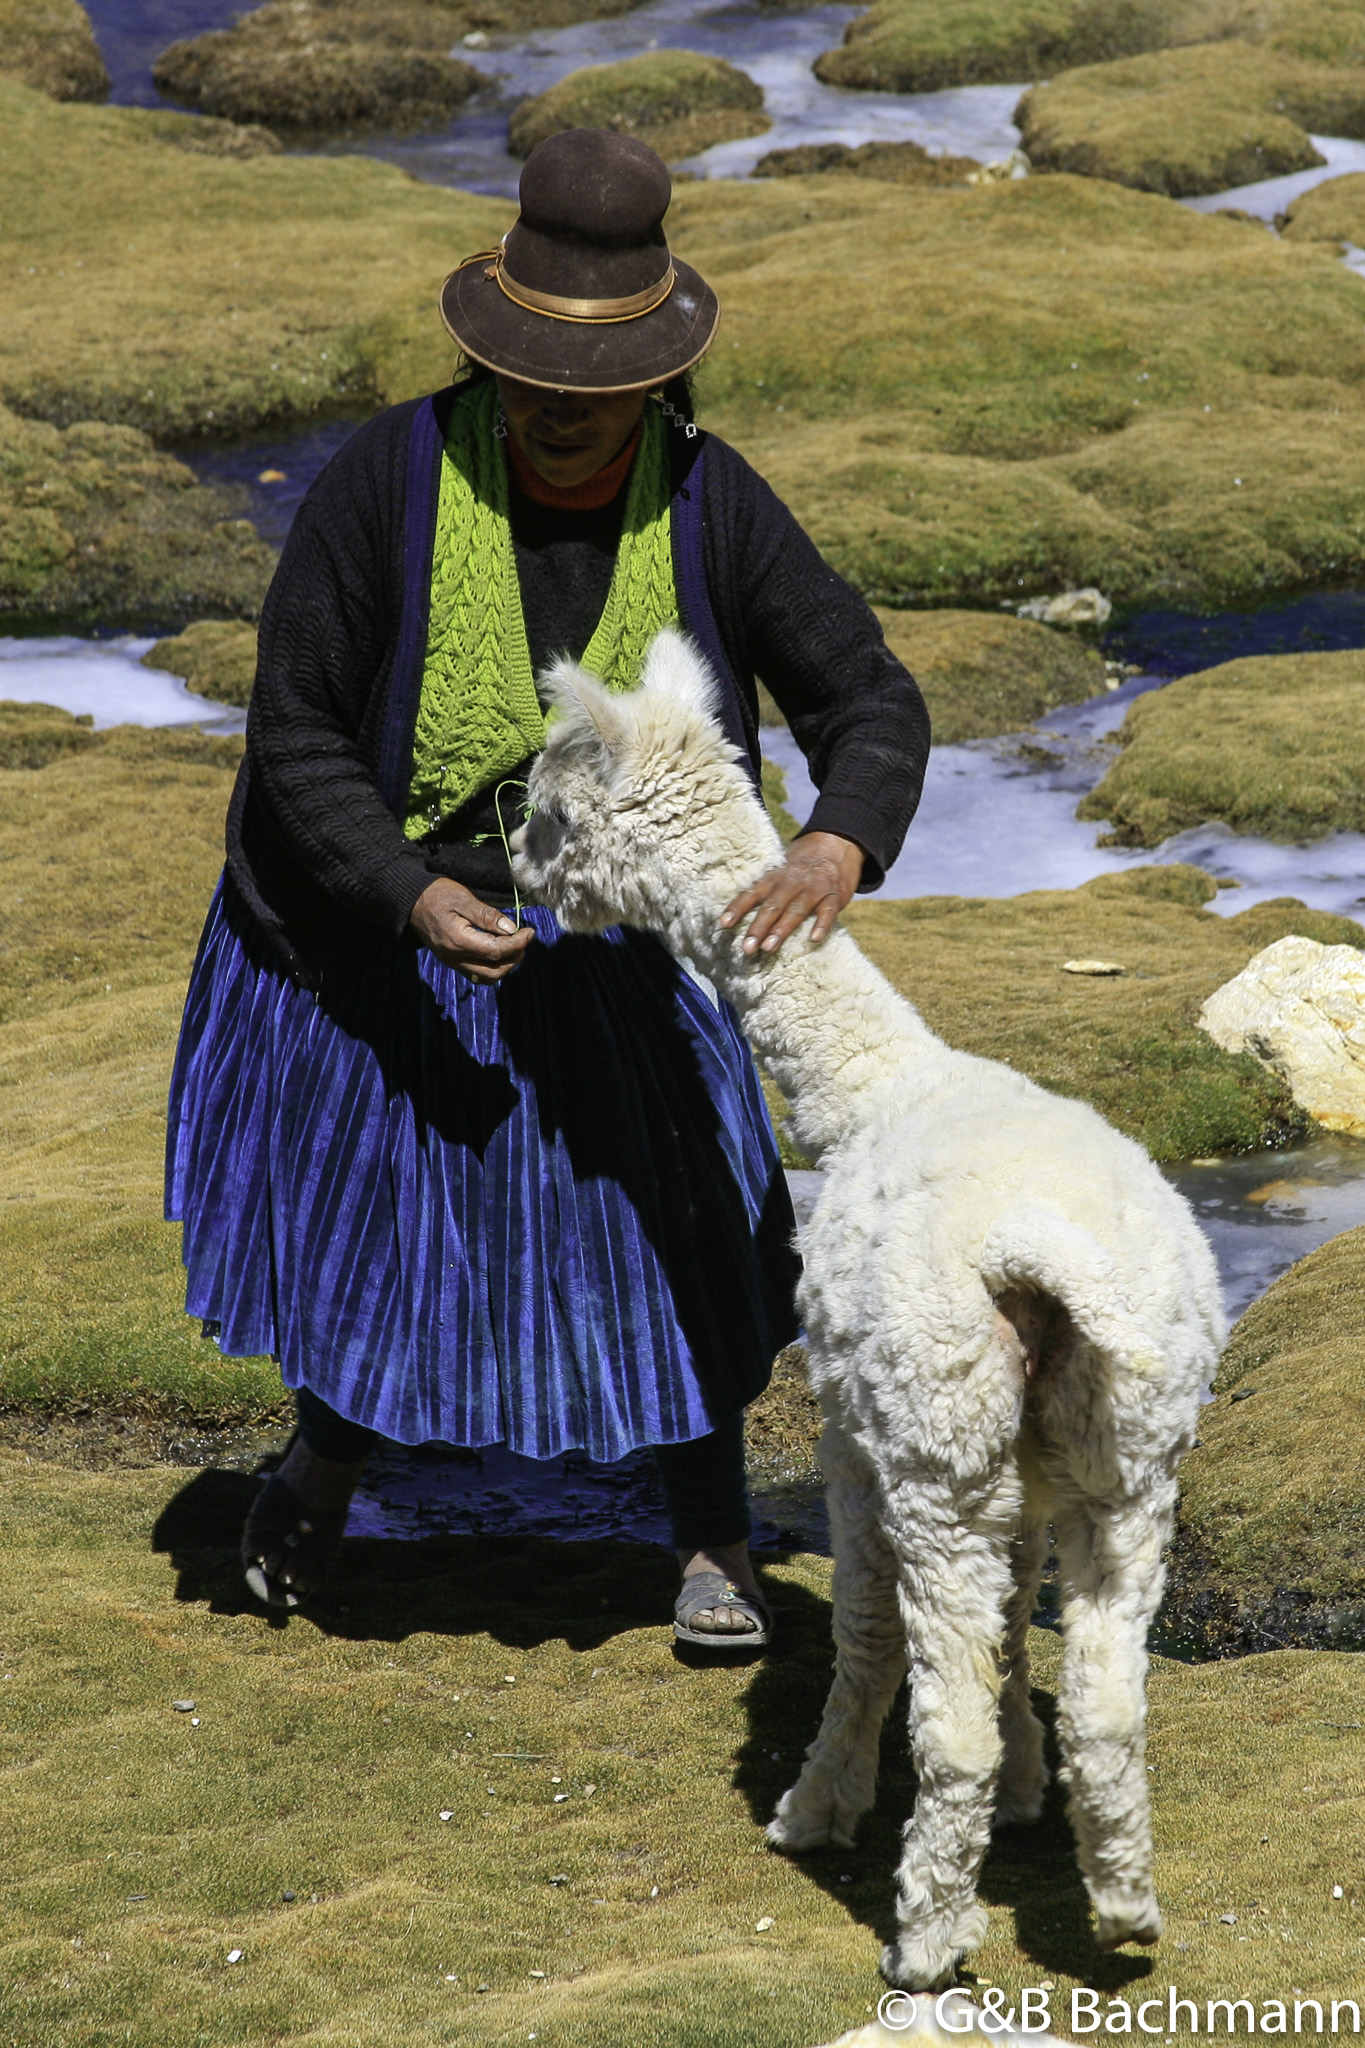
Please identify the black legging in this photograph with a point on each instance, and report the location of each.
(703, 1481)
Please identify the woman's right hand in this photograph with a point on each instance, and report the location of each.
(468, 935)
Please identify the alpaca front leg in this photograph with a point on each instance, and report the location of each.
(1023, 1774)
(838, 1782)
(955, 1594)
(1111, 1573)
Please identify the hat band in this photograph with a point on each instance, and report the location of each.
(583, 312)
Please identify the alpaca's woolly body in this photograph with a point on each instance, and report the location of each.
(954, 1188)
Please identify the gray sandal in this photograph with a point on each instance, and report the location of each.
(713, 1589)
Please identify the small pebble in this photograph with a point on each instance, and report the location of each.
(480, 1987)
(845, 1880)
(446, 1814)
(556, 1781)
(559, 1880)
(288, 1897)
(194, 1720)
(451, 1978)
(535, 1973)
(1244, 1393)
(654, 1892)
(509, 1680)
(762, 1926)
(1337, 1892)
(560, 1797)
(1228, 1919)
(136, 1898)
(588, 1791)
(182, 1706)
(236, 1955)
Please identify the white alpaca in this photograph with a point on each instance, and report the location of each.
(1010, 1316)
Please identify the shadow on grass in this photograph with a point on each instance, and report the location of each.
(524, 1590)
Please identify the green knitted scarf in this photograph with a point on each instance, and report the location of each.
(479, 715)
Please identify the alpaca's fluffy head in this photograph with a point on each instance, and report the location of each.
(640, 809)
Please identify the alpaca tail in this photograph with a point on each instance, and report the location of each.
(1042, 1270)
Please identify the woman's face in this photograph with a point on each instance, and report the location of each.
(567, 436)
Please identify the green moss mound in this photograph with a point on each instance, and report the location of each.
(1331, 212)
(302, 65)
(308, 67)
(896, 163)
(141, 1850)
(1274, 745)
(1037, 386)
(188, 294)
(216, 657)
(984, 673)
(674, 100)
(50, 45)
(1192, 120)
(923, 45)
(32, 735)
(987, 975)
(1271, 1543)
(96, 523)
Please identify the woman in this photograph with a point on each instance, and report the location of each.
(469, 1178)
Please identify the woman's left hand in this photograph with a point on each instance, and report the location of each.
(817, 878)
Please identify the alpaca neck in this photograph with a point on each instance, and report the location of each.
(828, 1027)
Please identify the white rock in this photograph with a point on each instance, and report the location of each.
(1072, 608)
(1002, 170)
(1097, 967)
(1299, 1008)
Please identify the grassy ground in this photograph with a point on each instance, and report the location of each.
(985, 672)
(186, 294)
(50, 45)
(897, 360)
(676, 101)
(142, 1851)
(1273, 745)
(314, 64)
(1271, 1529)
(96, 524)
(215, 657)
(97, 948)
(1333, 212)
(987, 974)
(923, 45)
(1191, 120)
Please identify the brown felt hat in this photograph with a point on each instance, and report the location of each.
(583, 294)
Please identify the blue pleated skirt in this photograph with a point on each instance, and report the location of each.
(548, 1214)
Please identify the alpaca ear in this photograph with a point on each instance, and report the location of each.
(590, 712)
(676, 670)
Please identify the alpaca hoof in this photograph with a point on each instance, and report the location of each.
(918, 1972)
(794, 1840)
(1136, 1920)
(1013, 1809)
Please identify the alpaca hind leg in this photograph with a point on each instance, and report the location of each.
(1023, 1774)
(955, 1586)
(1111, 1573)
(838, 1781)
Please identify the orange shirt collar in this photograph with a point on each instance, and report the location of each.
(589, 496)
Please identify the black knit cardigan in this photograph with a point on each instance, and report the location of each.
(315, 837)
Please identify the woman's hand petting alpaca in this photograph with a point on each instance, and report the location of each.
(470, 936)
(817, 879)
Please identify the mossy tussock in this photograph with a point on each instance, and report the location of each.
(1191, 120)
(1271, 1541)
(307, 67)
(895, 163)
(187, 294)
(1274, 744)
(1331, 212)
(987, 975)
(140, 1851)
(304, 65)
(924, 45)
(97, 524)
(675, 100)
(984, 672)
(50, 45)
(215, 657)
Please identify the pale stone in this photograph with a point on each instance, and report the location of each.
(1299, 1008)
(1088, 607)
(1091, 967)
